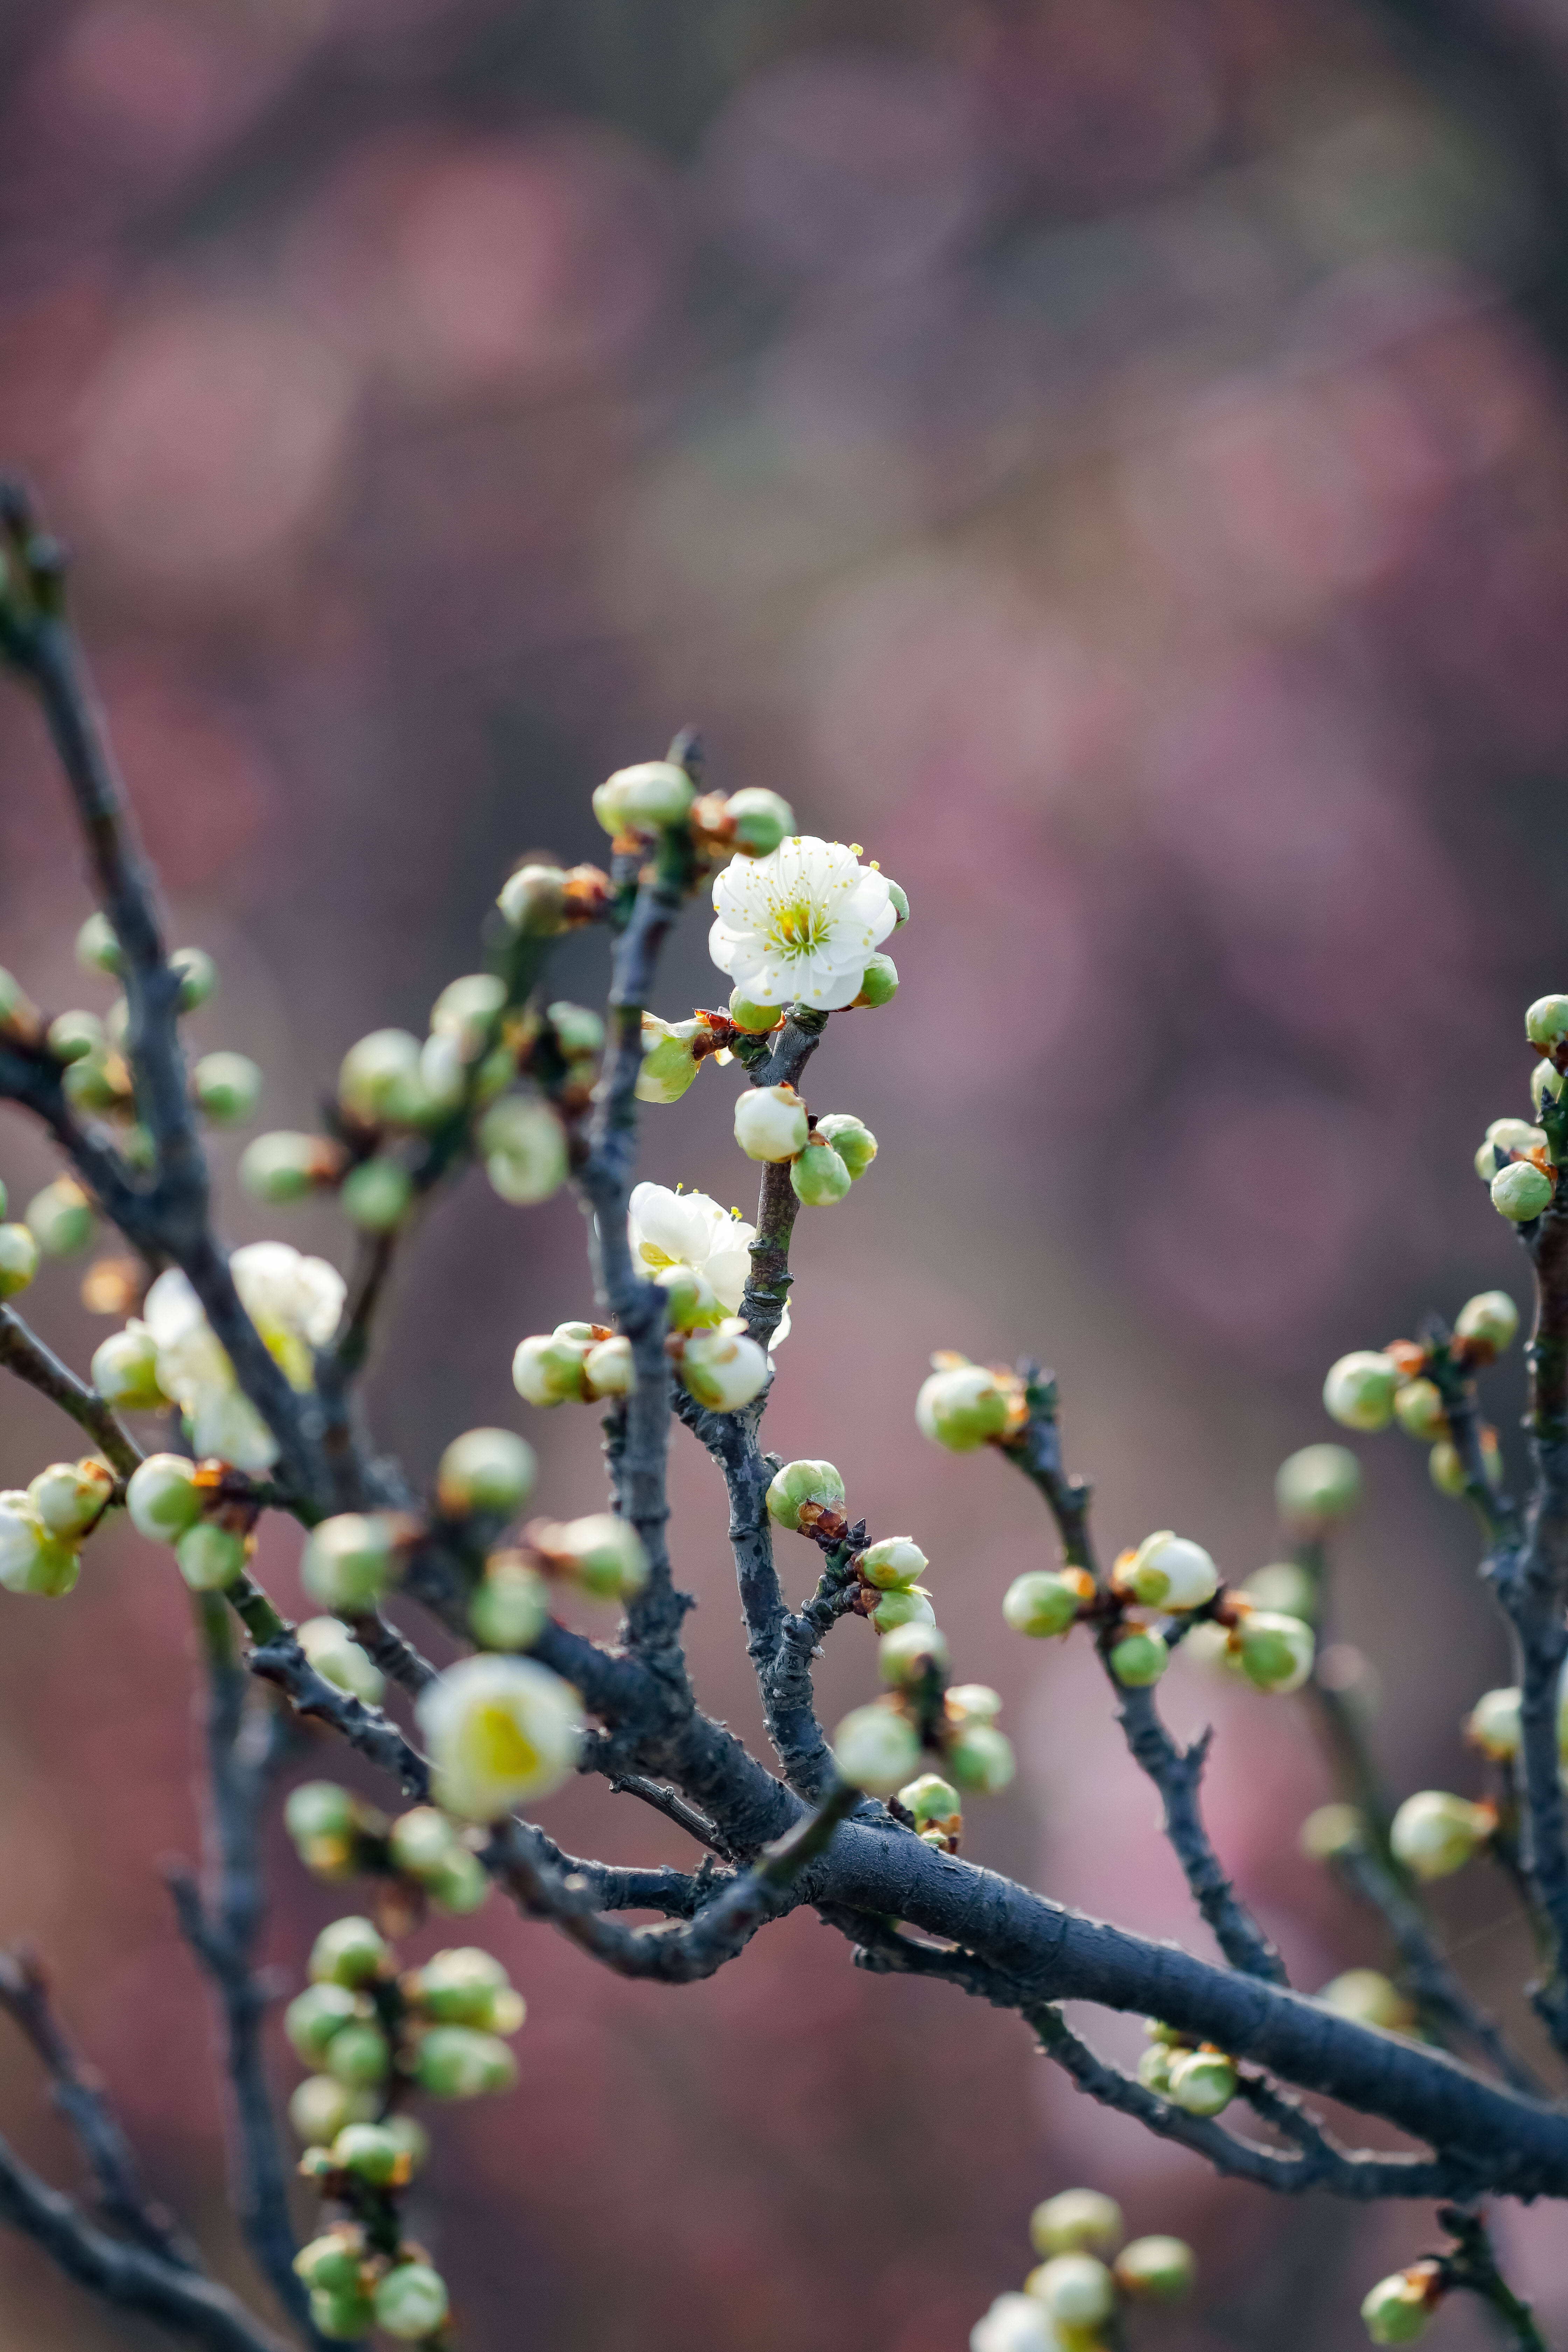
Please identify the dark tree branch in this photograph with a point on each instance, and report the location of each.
(1473, 2265)
(23, 1353)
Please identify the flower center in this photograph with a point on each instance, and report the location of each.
(498, 1748)
(800, 927)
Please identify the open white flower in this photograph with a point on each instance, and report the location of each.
(802, 925)
(294, 1303)
(669, 1228)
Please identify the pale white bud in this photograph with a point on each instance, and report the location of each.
(724, 1369)
(770, 1123)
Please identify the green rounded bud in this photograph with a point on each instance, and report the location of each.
(1398, 2310)
(343, 2317)
(319, 1808)
(61, 1218)
(466, 1987)
(1171, 1572)
(162, 1497)
(901, 901)
(487, 1470)
(1503, 1136)
(423, 1842)
(910, 1654)
(339, 1659)
(332, 2262)
(412, 2138)
(644, 799)
(1203, 2082)
(1318, 1486)
(770, 1124)
(1041, 1603)
(96, 1084)
(547, 1369)
(73, 1036)
(31, 1559)
(1154, 2069)
(466, 1009)
(819, 1177)
(319, 2108)
(524, 1147)
(69, 1498)
(533, 901)
(880, 985)
(893, 1564)
(348, 1562)
(1285, 1589)
(1521, 1191)
(1418, 1410)
(198, 977)
(802, 1482)
(1275, 1652)
(1076, 2289)
(1158, 2270)
(211, 1557)
(463, 1886)
(609, 1369)
(980, 1758)
(97, 949)
(1546, 1022)
(875, 1749)
(124, 1371)
(691, 1302)
(1332, 1829)
(1489, 1320)
(578, 1031)
(1074, 2221)
(1369, 1998)
(1545, 1086)
(377, 1195)
(903, 1608)
(1493, 1725)
(1359, 1390)
(377, 1074)
(930, 1798)
(371, 2151)
(961, 1407)
(1140, 1657)
(603, 1552)
(315, 2016)
(669, 1057)
(1434, 1835)
(757, 1020)
(359, 2055)
(350, 1952)
(18, 1259)
(724, 1369)
(511, 1606)
(851, 1139)
(454, 2061)
(285, 1166)
(760, 820)
(410, 2302)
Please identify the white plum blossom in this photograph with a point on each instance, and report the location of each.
(294, 1303)
(800, 926)
(669, 1228)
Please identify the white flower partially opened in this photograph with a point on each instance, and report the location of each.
(294, 1303)
(800, 927)
(670, 1228)
(500, 1730)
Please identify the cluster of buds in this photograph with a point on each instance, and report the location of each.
(1073, 2301)
(964, 1405)
(824, 1156)
(806, 1498)
(879, 1747)
(1371, 1387)
(636, 804)
(601, 1556)
(204, 1510)
(588, 1362)
(44, 1525)
(423, 1855)
(1516, 1159)
(1193, 2075)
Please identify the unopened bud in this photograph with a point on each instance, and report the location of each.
(315, 2015)
(468, 1986)
(163, 1498)
(1493, 1725)
(875, 1749)
(319, 1808)
(1546, 1022)
(1359, 1391)
(1434, 1834)
(609, 1369)
(1041, 1603)
(1521, 1191)
(1489, 1320)
(1398, 2310)
(32, 1559)
(100, 1083)
(422, 1842)
(760, 821)
(910, 1654)
(359, 2056)
(286, 1165)
(1332, 1829)
(198, 977)
(962, 1407)
(454, 2061)
(1170, 1572)
(979, 1756)
(333, 2264)
(466, 1009)
(724, 1369)
(486, 1470)
(880, 983)
(377, 1195)
(463, 1886)
(1203, 2082)
(1503, 1136)
(318, 2109)
(337, 1657)
(1418, 1410)
(851, 1139)
(348, 1953)
(1446, 1464)
(893, 1564)
(1154, 2069)
(770, 1123)
(97, 949)
(1369, 1998)
(905, 1608)
(18, 1259)
(819, 1176)
(930, 1798)
(524, 1147)
(76, 1036)
(511, 1606)
(1285, 1589)
(1140, 1657)
(500, 1729)
(1077, 2220)
(548, 1369)
(533, 901)
(669, 1057)
(69, 1498)
(124, 1371)
(602, 1552)
(379, 1075)
(644, 799)
(371, 2151)
(1015, 2322)
(61, 1218)
(1275, 1652)
(691, 1302)
(1316, 1486)
(410, 2302)
(1158, 2270)
(348, 1562)
(1076, 2289)
(802, 1482)
(971, 1703)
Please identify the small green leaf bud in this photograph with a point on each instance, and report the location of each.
(314, 2016)
(61, 1218)
(760, 820)
(1398, 2310)
(770, 1123)
(319, 2108)
(1521, 1191)
(486, 1470)
(466, 1009)
(909, 1608)
(454, 2061)
(533, 901)
(1170, 1572)
(1203, 2082)
(893, 1564)
(198, 977)
(1140, 1657)
(547, 1369)
(1316, 1486)
(18, 1259)
(350, 1952)
(875, 1749)
(1546, 1022)
(332, 2262)
(1493, 1725)
(1332, 1829)
(1157, 2270)
(1285, 1589)
(961, 1407)
(97, 949)
(1359, 1391)
(1077, 2220)
(880, 985)
(499, 1730)
(1275, 1652)
(909, 1653)
(1076, 2289)
(359, 2055)
(377, 1074)
(348, 1562)
(342, 2317)
(69, 1496)
(1418, 1410)
(1489, 1320)
(524, 1147)
(31, 1559)
(1368, 1996)
(1154, 2069)
(319, 1808)
(724, 1369)
(338, 1657)
(604, 1553)
(609, 1369)
(1434, 1834)
(74, 1036)
(377, 1195)
(1041, 1603)
(463, 1886)
(461, 1988)
(162, 1497)
(980, 1758)
(510, 1605)
(930, 1798)
(818, 1176)
(644, 799)
(851, 1139)
(757, 1020)
(285, 1166)
(371, 2151)
(410, 2301)
(802, 1482)
(211, 1557)
(126, 1371)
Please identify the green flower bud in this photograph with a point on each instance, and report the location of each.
(851, 1139)
(486, 1470)
(1434, 1834)
(691, 1302)
(377, 1195)
(880, 983)
(453, 2062)
(1074, 2221)
(61, 1218)
(1521, 1191)
(1367, 1996)
(1502, 1137)
(319, 1808)
(198, 977)
(1446, 1469)
(893, 1564)
(1493, 1725)
(423, 1842)
(669, 1059)
(377, 1075)
(1154, 2069)
(905, 1608)
(875, 1749)
(319, 2108)
(18, 1259)
(334, 2262)
(31, 1559)
(126, 1371)
(162, 1497)
(467, 1009)
(1418, 1410)
(410, 2302)
(1332, 1829)
(463, 1886)
(961, 1407)
(1318, 1486)
(359, 2055)
(372, 2150)
(930, 1798)
(350, 1952)
(348, 1562)
(644, 799)
(579, 1033)
(286, 1165)
(760, 820)
(117, 1023)
(1275, 1652)
(802, 1482)
(460, 1988)
(1159, 2270)
(1076, 2289)
(609, 1369)
(1041, 1603)
(1359, 1390)
(412, 2139)
(724, 1369)
(901, 901)
(1170, 1572)
(1140, 1657)
(1545, 1086)
(339, 1659)
(819, 1176)
(74, 1036)
(973, 1703)
(69, 1498)
(511, 1606)
(770, 1123)
(1398, 2310)
(547, 1369)
(524, 1147)
(533, 901)
(1284, 1590)
(314, 2016)
(1490, 1319)
(1546, 1022)
(979, 1756)
(343, 2317)
(99, 1085)
(211, 1557)
(757, 1020)
(909, 1653)
(97, 949)
(604, 1553)
(1203, 2082)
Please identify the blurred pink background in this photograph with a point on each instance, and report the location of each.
(1109, 457)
